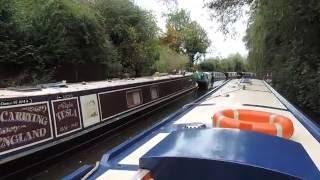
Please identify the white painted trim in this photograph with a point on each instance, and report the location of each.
(37, 142)
(135, 87)
(20, 105)
(54, 117)
(133, 157)
(99, 105)
(116, 174)
(141, 173)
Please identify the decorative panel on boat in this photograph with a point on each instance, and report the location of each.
(66, 115)
(24, 125)
(90, 110)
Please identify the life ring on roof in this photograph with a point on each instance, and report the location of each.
(258, 121)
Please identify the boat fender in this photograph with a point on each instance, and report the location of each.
(258, 121)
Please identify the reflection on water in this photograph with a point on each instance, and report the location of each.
(93, 152)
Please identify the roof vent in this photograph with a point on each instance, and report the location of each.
(194, 126)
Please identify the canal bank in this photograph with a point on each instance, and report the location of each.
(90, 153)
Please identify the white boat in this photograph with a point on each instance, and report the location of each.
(196, 143)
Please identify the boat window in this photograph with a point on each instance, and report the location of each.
(134, 98)
(154, 92)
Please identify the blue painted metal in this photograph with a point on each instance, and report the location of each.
(77, 174)
(111, 158)
(307, 122)
(228, 154)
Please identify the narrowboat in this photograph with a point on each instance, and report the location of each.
(242, 129)
(248, 74)
(231, 75)
(38, 119)
(218, 76)
(204, 79)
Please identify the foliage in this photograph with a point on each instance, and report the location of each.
(178, 19)
(171, 60)
(195, 41)
(54, 33)
(185, 36)
(17, 56)
(39, 37)
(172, 39)
(283, 41)
(227, 12)
(133, 31)
(233, 63)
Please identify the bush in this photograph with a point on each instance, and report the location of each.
(171, 60)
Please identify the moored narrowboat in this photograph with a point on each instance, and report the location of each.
(239, 130)
(35, 119)
(218, 76)
(204, 79)
(231, 75)
(248, 74)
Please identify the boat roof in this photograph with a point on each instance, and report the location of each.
(257, 95)
(74, 87)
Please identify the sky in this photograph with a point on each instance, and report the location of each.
(221, 45)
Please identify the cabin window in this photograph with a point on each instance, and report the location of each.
(134, 98)
(154, 92)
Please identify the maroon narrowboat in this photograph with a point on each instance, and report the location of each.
(37, 119)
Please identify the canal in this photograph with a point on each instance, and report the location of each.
(91, 153)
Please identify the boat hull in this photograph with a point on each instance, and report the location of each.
(204, 85)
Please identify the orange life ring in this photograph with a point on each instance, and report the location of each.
(258, 121)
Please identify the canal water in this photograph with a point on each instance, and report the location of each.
(93, 152)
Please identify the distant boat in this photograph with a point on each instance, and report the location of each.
(36, 121)
(206, 80)
(242, 129)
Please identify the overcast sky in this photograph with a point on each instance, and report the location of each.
(221, 45)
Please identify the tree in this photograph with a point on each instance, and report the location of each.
(178, 19)
(170, 60)
(51, 34)
(283, 40)
(185, 36)
(233, 63)
(39, 39)
(11, 44)
(228, 12)
(238, 63)
(172, 39)
(133, 31)
(195, 41)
